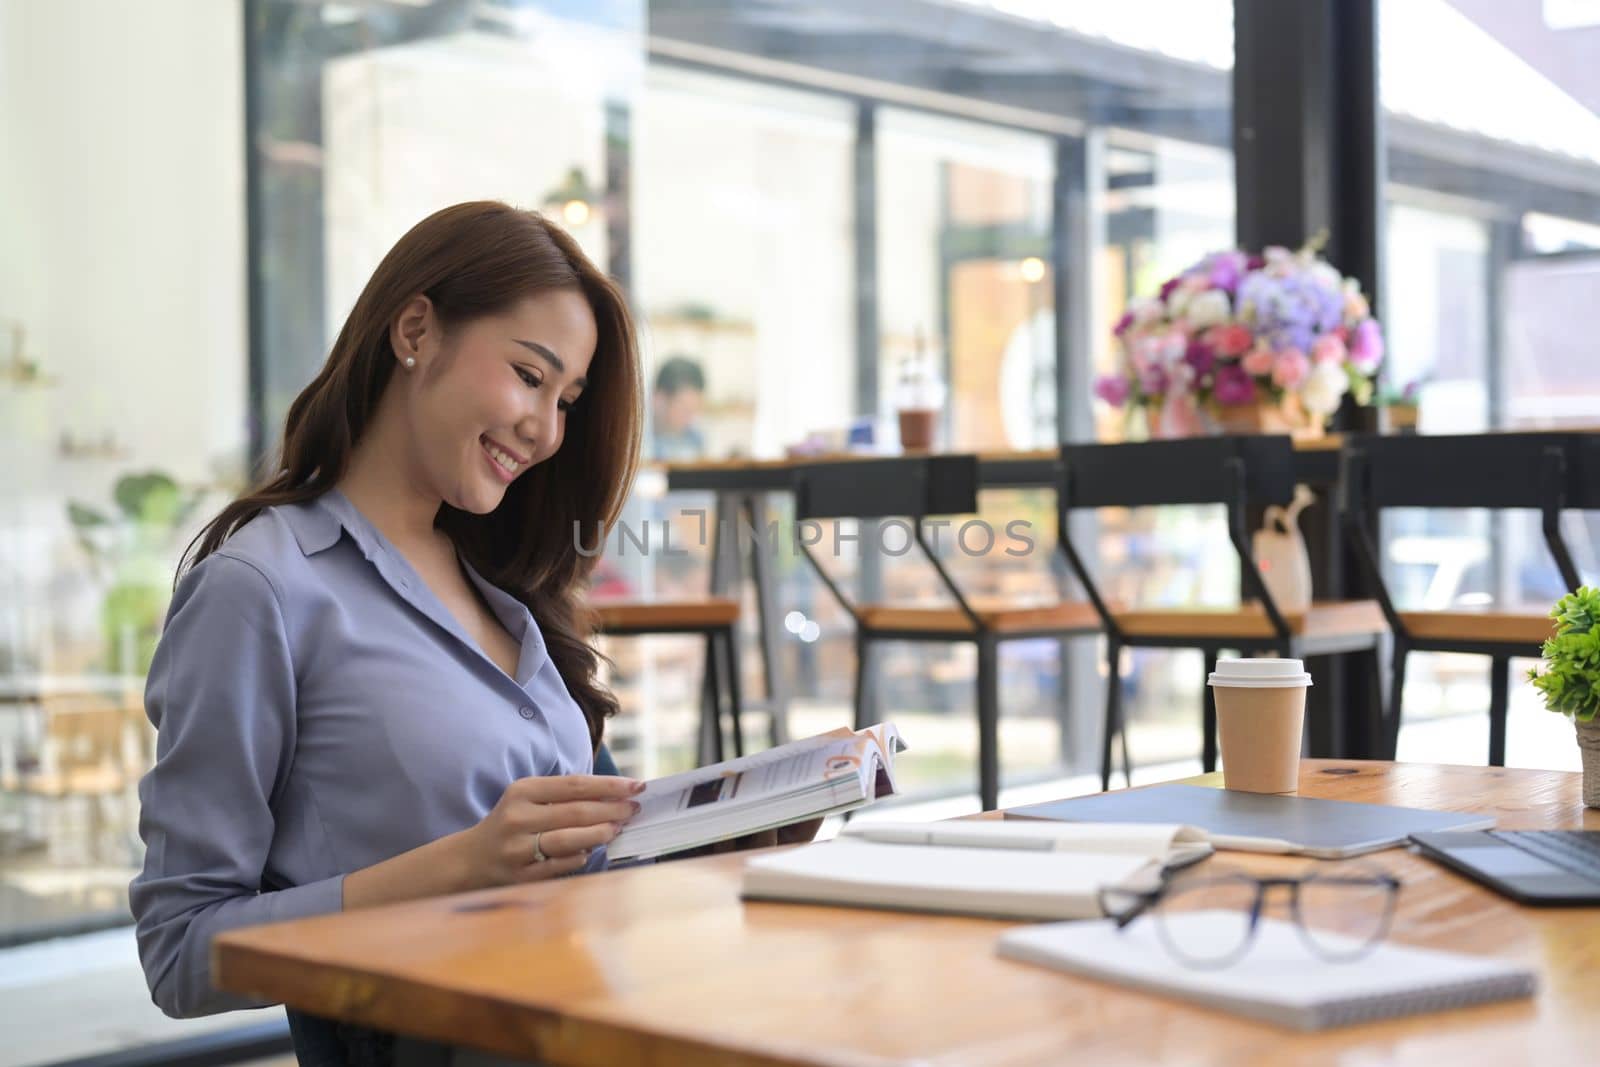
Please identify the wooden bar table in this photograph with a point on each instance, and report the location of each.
(665, 965)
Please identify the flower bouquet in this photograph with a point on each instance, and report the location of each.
(1264, 343)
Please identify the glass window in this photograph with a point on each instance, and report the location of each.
(122, 411)
(1492, 280)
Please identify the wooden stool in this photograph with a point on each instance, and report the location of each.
(717, 618)
(916, 488)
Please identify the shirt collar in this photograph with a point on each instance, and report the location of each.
(318, 525)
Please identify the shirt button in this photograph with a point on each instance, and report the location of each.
(526, 712)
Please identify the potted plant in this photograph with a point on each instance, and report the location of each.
(1571, 678)
(1398, 410)
(1268, 343)
(132, 554)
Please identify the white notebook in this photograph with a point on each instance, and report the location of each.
(1279, 980)
(989, 868)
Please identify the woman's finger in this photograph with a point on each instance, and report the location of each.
(577, 813)
(552, 868)
(565, 788)
(571, 842)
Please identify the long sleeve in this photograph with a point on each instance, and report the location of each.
(222, 695)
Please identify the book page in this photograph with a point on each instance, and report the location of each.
(785, 770)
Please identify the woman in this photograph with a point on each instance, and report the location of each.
(354, 702)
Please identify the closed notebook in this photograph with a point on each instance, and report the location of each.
(1278, 980)
(995, 869)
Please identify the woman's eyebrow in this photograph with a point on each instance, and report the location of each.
(551, 358)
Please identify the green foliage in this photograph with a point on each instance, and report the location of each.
(1571, 680)
(130, 552)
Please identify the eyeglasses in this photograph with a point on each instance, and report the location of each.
(1341, 911)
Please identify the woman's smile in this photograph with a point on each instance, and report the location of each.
(505, 463)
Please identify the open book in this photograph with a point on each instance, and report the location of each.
(1011, 870)
(832, 772)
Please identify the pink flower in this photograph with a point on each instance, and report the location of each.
(1290, 369)
(1230, 340)
(1258, 361)
(1123, 324)
(1329, 348)
(1366, 346)
(1112, 388)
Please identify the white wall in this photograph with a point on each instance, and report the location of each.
(122, 249)
(123, 240)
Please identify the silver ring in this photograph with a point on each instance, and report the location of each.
(538, 853)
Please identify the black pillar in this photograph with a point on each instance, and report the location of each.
(1308, 130)
(1309, 157)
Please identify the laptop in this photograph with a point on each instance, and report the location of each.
(1261, 822)
(1549, 867)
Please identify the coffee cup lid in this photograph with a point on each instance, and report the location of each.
(1259, 673)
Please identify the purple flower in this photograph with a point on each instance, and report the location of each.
(1255, 263)
(1200, 356)
(1169, 285)
(1227, 268)
(1112, 388)
(1366, 346)
(1291, 310)
(1123, 324)
(1233, 385)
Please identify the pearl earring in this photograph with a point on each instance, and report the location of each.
(411, 361)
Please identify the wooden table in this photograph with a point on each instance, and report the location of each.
(664, 965)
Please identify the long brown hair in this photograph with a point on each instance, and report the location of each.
(472, 260)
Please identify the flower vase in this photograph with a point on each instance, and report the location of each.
(1589, 748)
(1266, 416)
(1178, 416)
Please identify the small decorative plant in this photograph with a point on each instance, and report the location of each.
(1570, 681)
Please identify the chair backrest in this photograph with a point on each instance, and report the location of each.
(1491, 470)
(911, 486)
(1587, 472)
(1201, 470)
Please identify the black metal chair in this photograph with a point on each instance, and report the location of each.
(917, 488)
(1239, 473)
(1493, 471)
(714, 618)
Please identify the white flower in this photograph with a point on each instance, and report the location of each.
(1178, 301)
(1208, 309)
(1145, 310)
(1325, 276)
(1324, 388)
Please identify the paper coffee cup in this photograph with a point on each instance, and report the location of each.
(1261, 713)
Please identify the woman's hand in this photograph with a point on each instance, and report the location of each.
(567, 817)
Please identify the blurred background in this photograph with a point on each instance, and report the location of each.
(799, 196)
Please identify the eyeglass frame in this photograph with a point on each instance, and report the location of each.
(1146, 899)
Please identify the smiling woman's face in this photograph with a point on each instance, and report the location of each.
(491, 399)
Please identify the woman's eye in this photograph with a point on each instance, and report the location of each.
(564, 405)
(528, 378)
